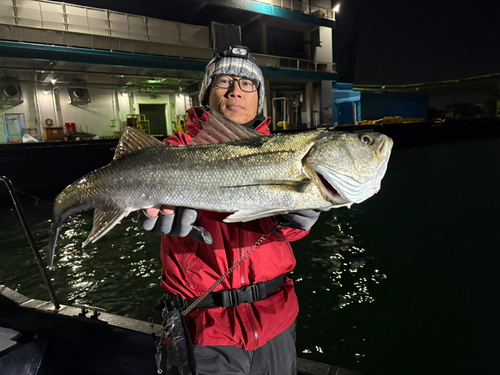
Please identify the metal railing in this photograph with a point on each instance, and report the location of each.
(96, 21)
(294, 63)
(29, 236)
(303, 7)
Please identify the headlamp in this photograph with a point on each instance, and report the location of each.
(235, 51)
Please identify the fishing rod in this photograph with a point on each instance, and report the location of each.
(27, 231)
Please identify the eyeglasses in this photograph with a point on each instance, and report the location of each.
(226, 82)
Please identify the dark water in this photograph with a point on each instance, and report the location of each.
(405, 283)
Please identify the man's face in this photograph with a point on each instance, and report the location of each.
(235, 104)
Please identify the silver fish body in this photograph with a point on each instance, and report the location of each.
(250, 178)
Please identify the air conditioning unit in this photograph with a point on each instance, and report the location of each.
(10, 92)
(78, 95)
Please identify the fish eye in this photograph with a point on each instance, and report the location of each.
(365, 138)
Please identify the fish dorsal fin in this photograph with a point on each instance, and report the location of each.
(219, 129)
(132, 140)
(104, 220)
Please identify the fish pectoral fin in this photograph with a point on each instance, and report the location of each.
(104, 220)
(249, 215)
(296, 185)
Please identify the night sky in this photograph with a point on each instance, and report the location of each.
(411, 41)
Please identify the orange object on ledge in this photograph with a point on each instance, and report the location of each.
(54, 133)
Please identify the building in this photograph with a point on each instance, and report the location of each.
(77, 71)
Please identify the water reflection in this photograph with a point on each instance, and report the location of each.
(340, 262)
(337, 264)
(120, 272)
(335, 271)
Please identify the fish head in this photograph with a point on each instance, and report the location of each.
(349, 167)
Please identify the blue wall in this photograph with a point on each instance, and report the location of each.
(376, 105)
(346, 104)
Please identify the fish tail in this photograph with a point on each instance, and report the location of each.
(72, 200)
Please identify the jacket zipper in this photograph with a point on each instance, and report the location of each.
(248, 308)
(255, 335)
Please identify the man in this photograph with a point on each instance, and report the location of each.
(240, 332)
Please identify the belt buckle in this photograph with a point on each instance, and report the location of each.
(235, 297)
(245, 295)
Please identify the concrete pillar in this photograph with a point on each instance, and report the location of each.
(263, 38)
(327, 102)
(324, 53)
(268, 103)
(307, 45)
(309, 103)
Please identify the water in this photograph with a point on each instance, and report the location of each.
(404, 283)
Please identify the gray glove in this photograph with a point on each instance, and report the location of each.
(304, 219)
(179, 224)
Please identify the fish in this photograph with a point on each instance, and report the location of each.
(227, 168)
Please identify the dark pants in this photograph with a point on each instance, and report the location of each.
(278, 356)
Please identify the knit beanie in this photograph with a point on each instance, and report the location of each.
(236, 66)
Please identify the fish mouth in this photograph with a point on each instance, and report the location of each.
(328, 187)
(331, 191)
(344, 190)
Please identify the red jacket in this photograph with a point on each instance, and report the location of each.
(191, 267)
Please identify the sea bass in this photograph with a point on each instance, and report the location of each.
(227, 168)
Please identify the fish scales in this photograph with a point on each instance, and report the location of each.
(175, 174)
(235, 164)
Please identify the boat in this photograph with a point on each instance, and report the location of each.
(39, 337)
(36, 338)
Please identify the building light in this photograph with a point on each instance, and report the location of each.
(336, 8)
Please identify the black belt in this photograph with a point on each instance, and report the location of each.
(234, 297)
